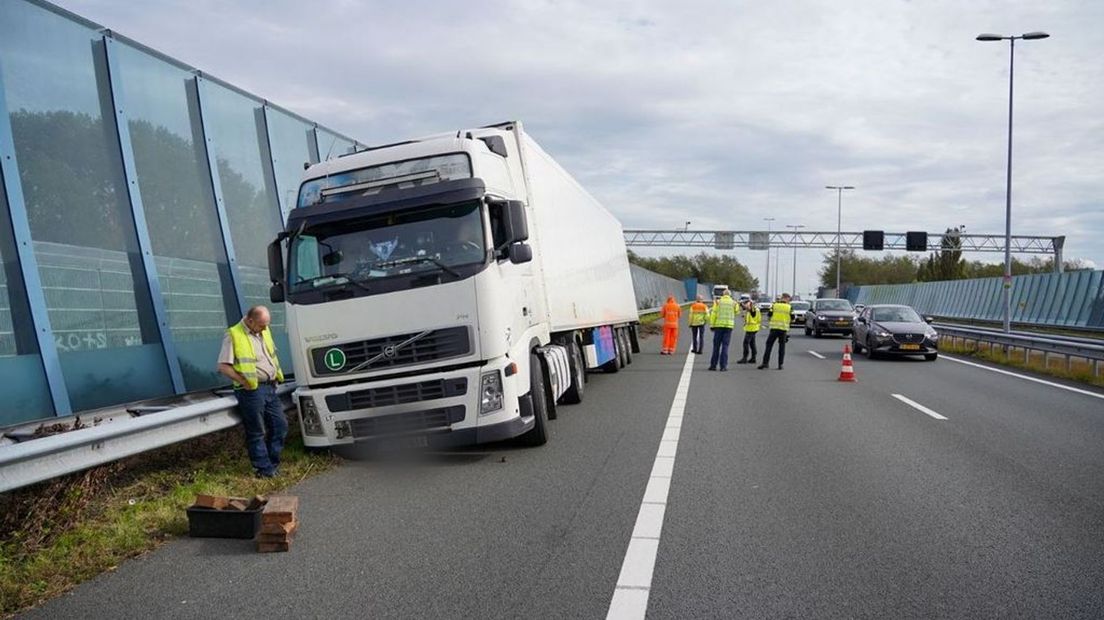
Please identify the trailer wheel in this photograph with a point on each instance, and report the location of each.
(614, 364)
(626, 332)
(622, 361)
(574, 393)
(538, 435)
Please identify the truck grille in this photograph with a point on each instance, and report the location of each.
(908, 338)
(412, 422)
(397, 395)
(387, 353)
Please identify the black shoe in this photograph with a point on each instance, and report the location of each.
(724, 370)
(761, 366)
(742, 362)
(751, 361)
(780, 368)
(272, 473)
(712, 368)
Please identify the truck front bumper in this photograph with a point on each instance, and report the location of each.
(431, 410)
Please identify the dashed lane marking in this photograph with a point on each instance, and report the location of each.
(817, 355)
(630, 597)
(917, 406)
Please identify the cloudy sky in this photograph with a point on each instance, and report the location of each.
(718, 113)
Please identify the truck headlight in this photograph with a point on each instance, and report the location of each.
(308, 417)
(490, 392)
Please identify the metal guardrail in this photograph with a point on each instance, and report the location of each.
(1088, 349)
(43, 458)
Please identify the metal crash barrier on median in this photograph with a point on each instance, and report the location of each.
(1090, 350)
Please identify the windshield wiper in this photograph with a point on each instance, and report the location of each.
(418, 259)
(348, 279)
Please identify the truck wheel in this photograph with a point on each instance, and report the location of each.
(574, 394)
(538, 435)
(614, 364)
(628, 345)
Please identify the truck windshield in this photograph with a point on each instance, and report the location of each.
(361, 252)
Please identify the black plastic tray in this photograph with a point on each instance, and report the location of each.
(211, 523)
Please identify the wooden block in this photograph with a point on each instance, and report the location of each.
(273, 547)
(280, 509)
(216, 502)
(238, 504)
(258, 501)
(282, 529)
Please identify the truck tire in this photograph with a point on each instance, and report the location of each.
(625, 338)
(620, 338)
(574, 393)
(538, 435)
(614, 364)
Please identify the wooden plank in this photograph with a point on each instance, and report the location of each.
(280, 509)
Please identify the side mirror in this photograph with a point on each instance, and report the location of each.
(928, 319)
(276, 293)
(515, 222)
(276, 261)
(521, 253)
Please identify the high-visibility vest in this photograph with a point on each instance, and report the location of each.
(752, 322)
(671, 314)
(698, 313)
(724, 314)
(245, 356)
(780, 316)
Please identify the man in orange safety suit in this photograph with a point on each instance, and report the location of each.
(671, 313)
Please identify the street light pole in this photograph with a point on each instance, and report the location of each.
(839, 227)
(795, 228)
(1029, 36)
(766, 288)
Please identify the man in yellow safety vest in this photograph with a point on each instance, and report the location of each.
(753, 320)
(779, 330)
(699, 313)
(248, 358)
(722, 319)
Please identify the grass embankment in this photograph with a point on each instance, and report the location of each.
(56, 534)
(1080, 370)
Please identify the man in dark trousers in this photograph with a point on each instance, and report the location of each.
(248, 358)
(779, 330)
(753, 320)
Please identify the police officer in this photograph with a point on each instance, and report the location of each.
(753, 320)
(248, 358)
(699, 313)
(722, 319)
(779, 330)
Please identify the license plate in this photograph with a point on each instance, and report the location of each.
(910, 347)
(841, 323)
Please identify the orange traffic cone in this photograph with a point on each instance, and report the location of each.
(847, 372)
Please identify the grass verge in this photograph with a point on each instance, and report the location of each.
(59, 533)
(1080, 371)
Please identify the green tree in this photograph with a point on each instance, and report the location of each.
(707, 268)
(947, 264)
(863, 270)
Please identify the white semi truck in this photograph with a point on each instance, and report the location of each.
(449, 290)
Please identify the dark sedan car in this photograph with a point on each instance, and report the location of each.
(894, 330)
(829, 316)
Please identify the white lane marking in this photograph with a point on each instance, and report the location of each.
(630, 597)
(918, 406)
(1025, 377)
(817, 355)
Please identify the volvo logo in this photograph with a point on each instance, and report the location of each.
(389, 352)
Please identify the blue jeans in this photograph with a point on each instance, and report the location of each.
(260, 409)
(721, 337)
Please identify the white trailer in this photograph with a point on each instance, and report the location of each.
(448, 290)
